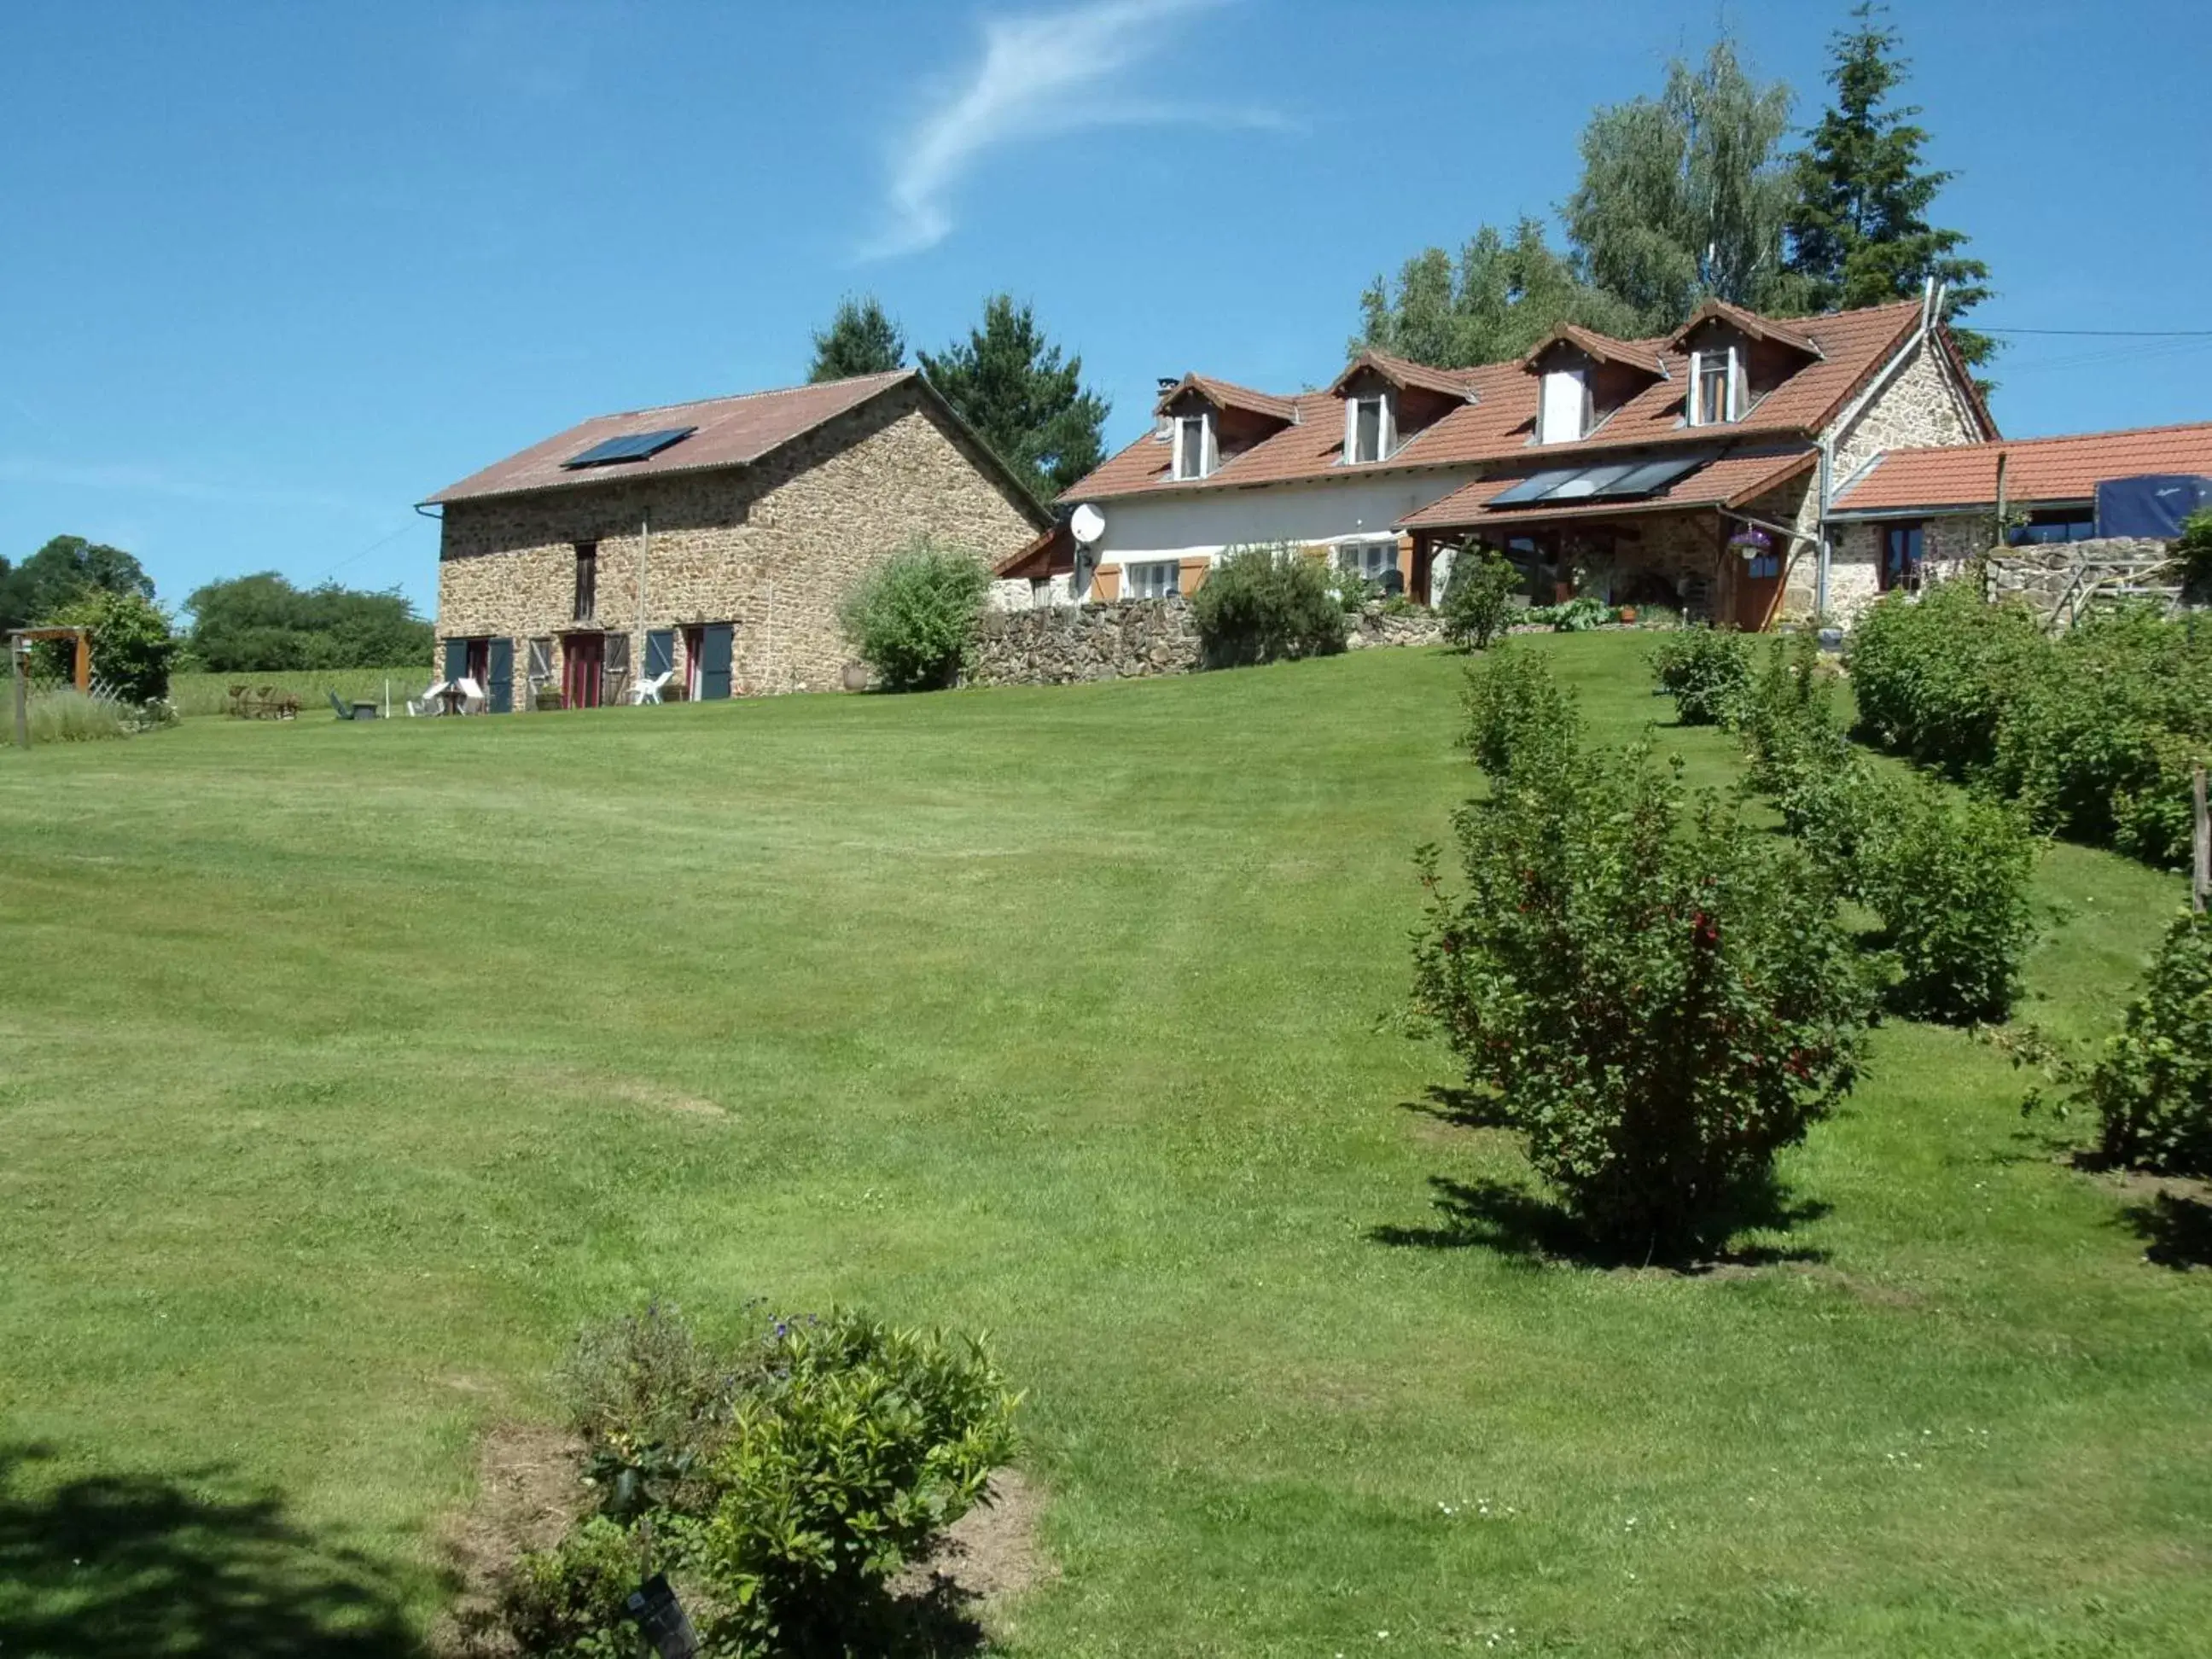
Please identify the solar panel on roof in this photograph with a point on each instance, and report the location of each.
(1535, 487)
(1592, 480)
(631, 446)
(1652, 475)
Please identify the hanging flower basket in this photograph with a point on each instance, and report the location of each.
(1751, 541)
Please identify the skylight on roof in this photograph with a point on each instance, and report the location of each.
(631, 446)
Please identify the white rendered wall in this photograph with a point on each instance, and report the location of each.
(1208, 522)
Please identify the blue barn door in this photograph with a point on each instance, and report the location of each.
(457, 660)
(499, 689)
(714, 662)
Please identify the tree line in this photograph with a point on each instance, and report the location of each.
(1692, 195)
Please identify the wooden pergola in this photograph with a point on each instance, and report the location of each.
(20, 641)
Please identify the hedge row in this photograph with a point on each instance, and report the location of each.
(2095, 733)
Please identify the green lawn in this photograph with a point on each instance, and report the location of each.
(344, 1069)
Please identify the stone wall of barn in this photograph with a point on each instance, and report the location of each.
(771, 549)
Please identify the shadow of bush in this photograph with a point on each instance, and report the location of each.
(134, 1566)
(1523, 1226)
(2176, 1231)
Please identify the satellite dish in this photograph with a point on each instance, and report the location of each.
(1088, 523)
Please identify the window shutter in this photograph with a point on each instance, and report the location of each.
(1107, 584)
(715, 650)
(457, 660)
(1190, 574)
(500, 667)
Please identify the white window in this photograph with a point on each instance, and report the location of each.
(1565, 413)
(1194, 447)
(1371, 559)
(1715, 394)
(1156, 580)
(1367, 434)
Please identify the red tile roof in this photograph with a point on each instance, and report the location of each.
(1637, 354)
(731, 432)
(1729, 480)
(1405, 372)
(1227, 395)
(2066, 469)
(1759, 327)
(1497, 426)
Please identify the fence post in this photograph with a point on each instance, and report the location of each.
(2200, 883)
(15, 649)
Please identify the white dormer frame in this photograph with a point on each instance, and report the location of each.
(1188, 466)
(1563, 412)
(1386, 429)
(1731, 400)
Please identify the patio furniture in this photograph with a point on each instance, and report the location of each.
(426, 704)
(343, 711)
(646, 692)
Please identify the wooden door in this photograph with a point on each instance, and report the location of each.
(1758, 589)
(581, 656)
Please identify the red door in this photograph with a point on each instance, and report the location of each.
(582, 658)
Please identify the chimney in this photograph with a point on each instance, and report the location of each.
(1163, 425)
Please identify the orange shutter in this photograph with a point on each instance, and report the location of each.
(1106, 584)
(1191, 574)
(1314, 551)
(1406, 565)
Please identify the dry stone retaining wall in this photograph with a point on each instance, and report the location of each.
(1059, 645)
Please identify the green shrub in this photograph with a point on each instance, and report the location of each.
(567, 1602)
(131, 645)
(2152, 1086)
(1575, 616)
(1262, 604)
(1935, 675)
(864, 1442)
(1352, 589)
(913, 617)
(1517, 713)
(1949, 878)
(1657, 996)
(1478, 596)
(2098, 745)
(1707, 671)
(70, 716)
(780, 1481)
(2194, 550)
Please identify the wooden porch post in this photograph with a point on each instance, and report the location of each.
(83, 665)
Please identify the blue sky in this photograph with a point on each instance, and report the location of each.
(271, 274)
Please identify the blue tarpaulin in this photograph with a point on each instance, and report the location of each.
(2153, 505)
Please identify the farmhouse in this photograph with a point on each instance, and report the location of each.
(1910, 508)
(712, 541)
(1695, 470)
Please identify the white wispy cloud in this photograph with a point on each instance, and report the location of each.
(1040, 74)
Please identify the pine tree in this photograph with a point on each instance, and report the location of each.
(1008, 381)
(1859, 232)
(1684, 196)
(860, 340)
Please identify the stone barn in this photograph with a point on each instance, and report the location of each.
(712, 542)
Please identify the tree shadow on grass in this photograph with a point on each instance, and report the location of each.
(131, 1566)
(1518, 1223)
(2176, 1230)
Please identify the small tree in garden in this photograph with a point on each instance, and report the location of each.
(1478, 596)
(1949, 879)
(1516, 715)
(914, 617)
(1262, 603)
(131, 645)
(1657, 996)
(2151, 1087)
(1707, 671)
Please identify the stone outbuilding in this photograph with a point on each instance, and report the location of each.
(710, 541)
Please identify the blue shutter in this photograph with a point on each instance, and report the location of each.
(714, 663)
(500, 667)
(457, 660)
(659, 652)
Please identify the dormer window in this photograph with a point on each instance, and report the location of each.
(1715, 387)
(1194, 445)
(1563, 416)
(1367, 428)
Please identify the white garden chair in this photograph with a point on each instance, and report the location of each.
(427, 703)
(646, 692)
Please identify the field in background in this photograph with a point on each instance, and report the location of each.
(210, 694)
(346, 1069)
